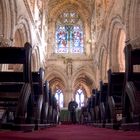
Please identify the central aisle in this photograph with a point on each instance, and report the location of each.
(71, 132)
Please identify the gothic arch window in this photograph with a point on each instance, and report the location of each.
(79, 97)
(69, 33)
(59, 97)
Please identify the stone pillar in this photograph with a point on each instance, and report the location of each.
(68, 91)
(68, 96)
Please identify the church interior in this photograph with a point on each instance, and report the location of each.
(56, 51)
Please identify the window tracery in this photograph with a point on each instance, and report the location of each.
(59, 97)
(79, 97)
(69, 33)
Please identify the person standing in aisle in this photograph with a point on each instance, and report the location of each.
(72, 109)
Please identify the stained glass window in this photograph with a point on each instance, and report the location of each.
(69, 33)
(79, 97)
(59, 97)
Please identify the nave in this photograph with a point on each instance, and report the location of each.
(71, 132)
(88, 50)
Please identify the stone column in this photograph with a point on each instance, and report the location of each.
(68, 92)
(68, 96)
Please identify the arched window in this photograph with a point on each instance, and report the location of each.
(59, 97)
(79, 98)
(69, 33)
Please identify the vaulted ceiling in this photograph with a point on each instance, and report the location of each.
(87, 4)
(83, 7)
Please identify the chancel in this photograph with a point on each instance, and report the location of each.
(53, 51)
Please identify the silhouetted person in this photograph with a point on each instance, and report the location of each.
(72, 109)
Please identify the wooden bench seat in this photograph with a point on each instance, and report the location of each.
(45, 106)
(103, 102)
(131, 96)
(53, 109)
(114, 96)
(91, 107)
(15, 90)
(97, 107)
(39, 99)
(37, 92)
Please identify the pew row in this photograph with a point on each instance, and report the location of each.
(100, 105)
(131, 96)
(91, 108)
(15, 94)
(97, 107)
(103, 102)
(53, 110)
(39, 107)
(40, 103)
(114, 97)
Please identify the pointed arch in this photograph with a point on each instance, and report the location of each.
(18, 38)
(54, 74)
(116, 25)
(83, 78)
(35, 58)
(57, 85)
(103, 63)
(84, 14)
(24, 26)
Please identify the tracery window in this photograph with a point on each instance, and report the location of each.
(59, 97)
(69, 33)
(79, 97)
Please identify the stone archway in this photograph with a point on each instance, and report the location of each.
(114, 43)
(56, 10)
(103, 61)
(84, 83)
(56, 78)
(18, 38)
(18, 42)
(83, 78)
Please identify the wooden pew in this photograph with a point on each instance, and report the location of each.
(38, 90)
(15, 94)
(97, 107)
(50, 110)
(103, 101)
(37, 95)
(45, 107)
(114, 104)
(86, 112)
(53, 109)
(89, 109)
(51, 114)
(84, 115)
(11, 84)
(131, 96)
(100, 105)
(91, 106)
(55, 112)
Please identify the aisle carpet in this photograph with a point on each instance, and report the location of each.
(71, 132)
